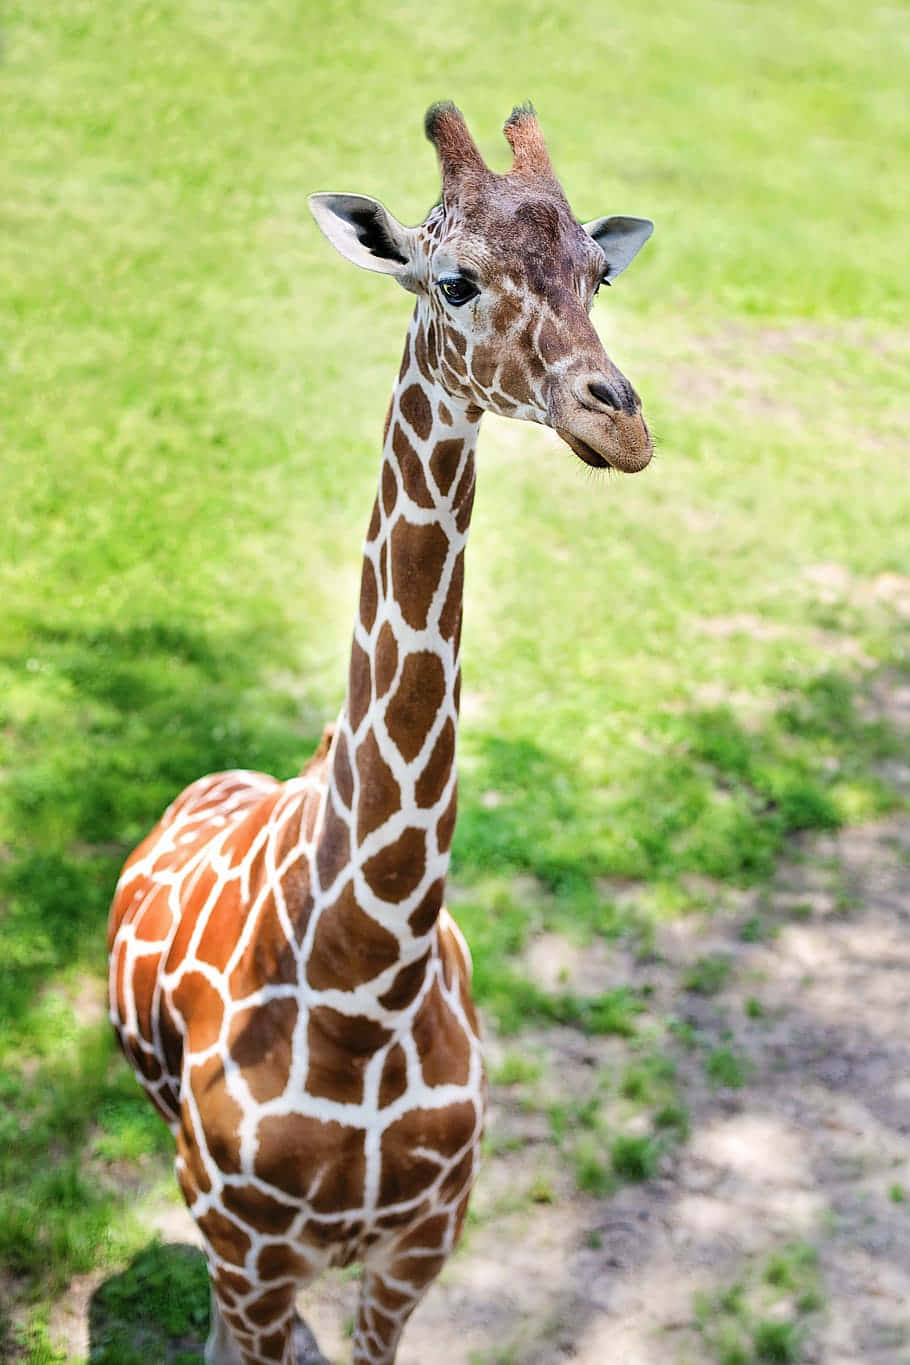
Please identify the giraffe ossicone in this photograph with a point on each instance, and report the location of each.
(284, 977)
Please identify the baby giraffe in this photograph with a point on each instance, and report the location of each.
(284, 977)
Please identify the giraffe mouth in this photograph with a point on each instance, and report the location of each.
(584, 451)
(622, 442)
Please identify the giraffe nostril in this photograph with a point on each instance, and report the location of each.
(617, 394)
(603, 393)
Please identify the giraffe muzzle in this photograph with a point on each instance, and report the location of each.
(599, 417)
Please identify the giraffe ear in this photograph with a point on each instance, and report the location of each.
(364, 232)
(620, 240)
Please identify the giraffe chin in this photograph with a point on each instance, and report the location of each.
(627, 455)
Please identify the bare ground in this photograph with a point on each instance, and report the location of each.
(814, 1148)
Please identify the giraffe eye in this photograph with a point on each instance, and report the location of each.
(458, 290)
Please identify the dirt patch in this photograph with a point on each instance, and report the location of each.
(814, 1148)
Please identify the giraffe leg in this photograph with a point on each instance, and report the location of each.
(220, 1349)
(387, 1300)
(395, 1282)
(261, 1328)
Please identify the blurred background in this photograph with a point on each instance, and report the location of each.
(679, 687)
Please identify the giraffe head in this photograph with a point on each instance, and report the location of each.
(505, 277)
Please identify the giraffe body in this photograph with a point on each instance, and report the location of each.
(284, 977)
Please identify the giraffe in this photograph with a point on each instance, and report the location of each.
(284, 976)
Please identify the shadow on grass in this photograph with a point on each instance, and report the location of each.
(100, 731)
(712, 796)
(157, 1309)
(117, 723)
(541, 845)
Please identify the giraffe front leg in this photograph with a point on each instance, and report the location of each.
(254, 1324)
(398, 1276)
(385, 1305)
(220, 1349)
(388, 1297)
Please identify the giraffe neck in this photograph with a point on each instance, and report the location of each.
(391, 799)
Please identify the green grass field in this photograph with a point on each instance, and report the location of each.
(666, 676)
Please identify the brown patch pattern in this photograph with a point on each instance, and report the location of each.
(412, 475)
(386, 659)
(327, 1158)
(396, 870)
(432, 782)
(414, 406)
(260, 1043)
(380, 795)
(450, 616)
(444, 462)
(349, 947)
(419, 554)
(340, 1048)
(413, 709)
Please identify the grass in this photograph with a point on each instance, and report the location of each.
(594, 1173)
(766, 1317)
(514, 1001)
(611, 1139)
(634, 1157)
(726, 1068)
(707, 976)
(647, 1078)
(516, 1069)
(668, 676)
(161, 1296)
